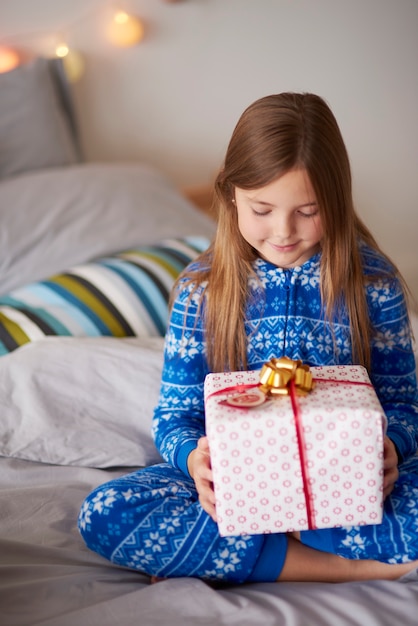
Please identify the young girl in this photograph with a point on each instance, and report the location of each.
(292, 271)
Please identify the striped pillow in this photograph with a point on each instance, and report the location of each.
(122, 295)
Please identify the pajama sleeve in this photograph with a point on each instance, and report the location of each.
(178, 421)
(393, 370)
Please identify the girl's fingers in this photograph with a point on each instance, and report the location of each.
(202, 475)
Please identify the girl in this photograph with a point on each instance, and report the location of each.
(292, 271)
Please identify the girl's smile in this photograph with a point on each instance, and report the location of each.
(281, 220)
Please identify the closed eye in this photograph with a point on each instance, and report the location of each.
(311, 213)
(261, 213)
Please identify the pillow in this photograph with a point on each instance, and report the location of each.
(87, 402)
(123, 295)
(52, 219)
(35, 130)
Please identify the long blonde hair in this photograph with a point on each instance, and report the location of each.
(274, 135)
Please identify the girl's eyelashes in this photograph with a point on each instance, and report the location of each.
(309, 214)
(260, 213)
(301, 213)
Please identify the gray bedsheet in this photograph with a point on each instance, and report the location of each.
(49, 578)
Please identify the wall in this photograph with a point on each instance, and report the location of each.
(173, 100)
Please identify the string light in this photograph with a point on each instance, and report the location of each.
(62, 50)
(124, 30)
(9, 59)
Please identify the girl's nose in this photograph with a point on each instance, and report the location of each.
(283, 226)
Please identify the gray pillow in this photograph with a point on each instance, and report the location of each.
(35, 130)
(58, 217)
(81, 401)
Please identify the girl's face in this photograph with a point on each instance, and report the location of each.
(281, 220)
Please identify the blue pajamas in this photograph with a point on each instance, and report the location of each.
(151, 520)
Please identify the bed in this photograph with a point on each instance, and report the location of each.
(88, 254)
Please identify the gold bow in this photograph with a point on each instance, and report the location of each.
(276, 375)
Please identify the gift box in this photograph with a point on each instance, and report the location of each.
(291, 462)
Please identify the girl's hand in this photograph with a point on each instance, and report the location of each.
(390, 466)
(199, 467)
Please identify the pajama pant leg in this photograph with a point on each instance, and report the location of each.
(151, 521)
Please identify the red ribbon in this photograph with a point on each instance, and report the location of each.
(244, 387)
(307, 492)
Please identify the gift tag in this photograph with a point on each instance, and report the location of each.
(246, 399)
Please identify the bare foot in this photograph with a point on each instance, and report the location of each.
(305, 564)
(397, 570)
